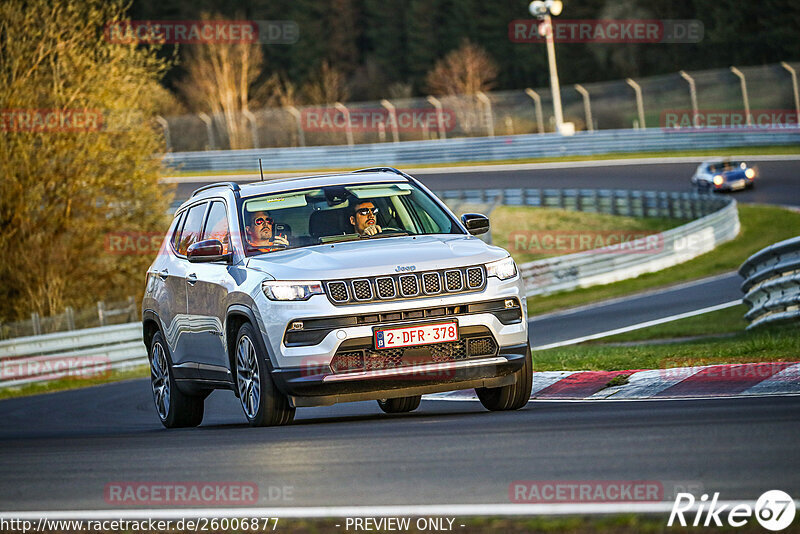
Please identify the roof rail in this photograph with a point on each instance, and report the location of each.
(232, 185)
(381, 169)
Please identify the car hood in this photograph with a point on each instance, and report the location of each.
(736, 174)
(375, 257)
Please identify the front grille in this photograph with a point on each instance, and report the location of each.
(474, 277)
(431, 283)
(337, 291)
(349, 360)
(454, 281)
(386, 288)
(362, 290)
(406, 285)
(409, 287)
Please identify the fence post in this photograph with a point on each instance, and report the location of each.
(537, 102)
(165, 126)
(487, 111)
(101, 312)
(209, 130)
(70, 318)
(587, 106)
(132, 308)
(36, 324)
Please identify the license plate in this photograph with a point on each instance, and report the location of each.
(409, 336)
(738, 184)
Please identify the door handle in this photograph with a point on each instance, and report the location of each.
(191, 279)
(163, 274)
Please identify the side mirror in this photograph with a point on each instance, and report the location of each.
(475, 223)
(207, 251)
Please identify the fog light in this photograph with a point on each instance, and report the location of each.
(510, 303)
(297, 325)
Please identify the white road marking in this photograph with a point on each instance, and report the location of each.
(639, 325)
(422, 510)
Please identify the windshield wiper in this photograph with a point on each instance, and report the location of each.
(395, 233)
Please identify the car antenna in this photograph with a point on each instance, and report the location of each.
(261, 169)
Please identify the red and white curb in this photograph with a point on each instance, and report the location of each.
(726, 380)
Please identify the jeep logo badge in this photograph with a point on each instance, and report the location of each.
(405, 268)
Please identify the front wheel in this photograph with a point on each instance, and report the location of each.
(400, 404)
(511, 397)
(262, 403)
(175, 409)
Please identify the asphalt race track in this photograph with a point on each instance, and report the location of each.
(59, 451)
(778, 183)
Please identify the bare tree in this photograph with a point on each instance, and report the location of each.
(219, 78)
(326, 86)
(466, 70)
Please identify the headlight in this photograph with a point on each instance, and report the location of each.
(750, 173)
(502, 269)
(718, 179)
(300, 290)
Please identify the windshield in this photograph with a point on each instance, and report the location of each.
(302, 218)
(726, 166)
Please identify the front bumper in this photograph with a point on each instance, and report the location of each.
(305, 388)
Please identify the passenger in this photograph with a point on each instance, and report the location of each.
(363, 218)
(259, 233)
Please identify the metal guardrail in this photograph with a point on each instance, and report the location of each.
(716, 221)
(90, 352)
(97, 350)
(512, 147)
(772, 283)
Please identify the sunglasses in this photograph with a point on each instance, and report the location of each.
(260, 221)
(367, 211)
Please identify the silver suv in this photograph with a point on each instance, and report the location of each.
(326, 289)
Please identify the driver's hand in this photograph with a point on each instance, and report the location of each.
(372, 229)
(280, 240)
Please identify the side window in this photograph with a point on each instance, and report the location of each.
(192, 228)
(176, 230)
(217, 225)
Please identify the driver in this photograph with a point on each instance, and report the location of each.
(259, 233)
(363, 218)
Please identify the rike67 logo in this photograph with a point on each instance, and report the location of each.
(774, 510)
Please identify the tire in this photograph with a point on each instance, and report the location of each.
(261, 401)
(513, 396)
(400, 404)
(175, 409)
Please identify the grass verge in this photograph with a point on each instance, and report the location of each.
(743, 150)
(554, 223)
(726, 321)
(774, 344)
(761, 226)
(64, 384)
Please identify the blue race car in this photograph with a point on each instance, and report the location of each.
(724, 175)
